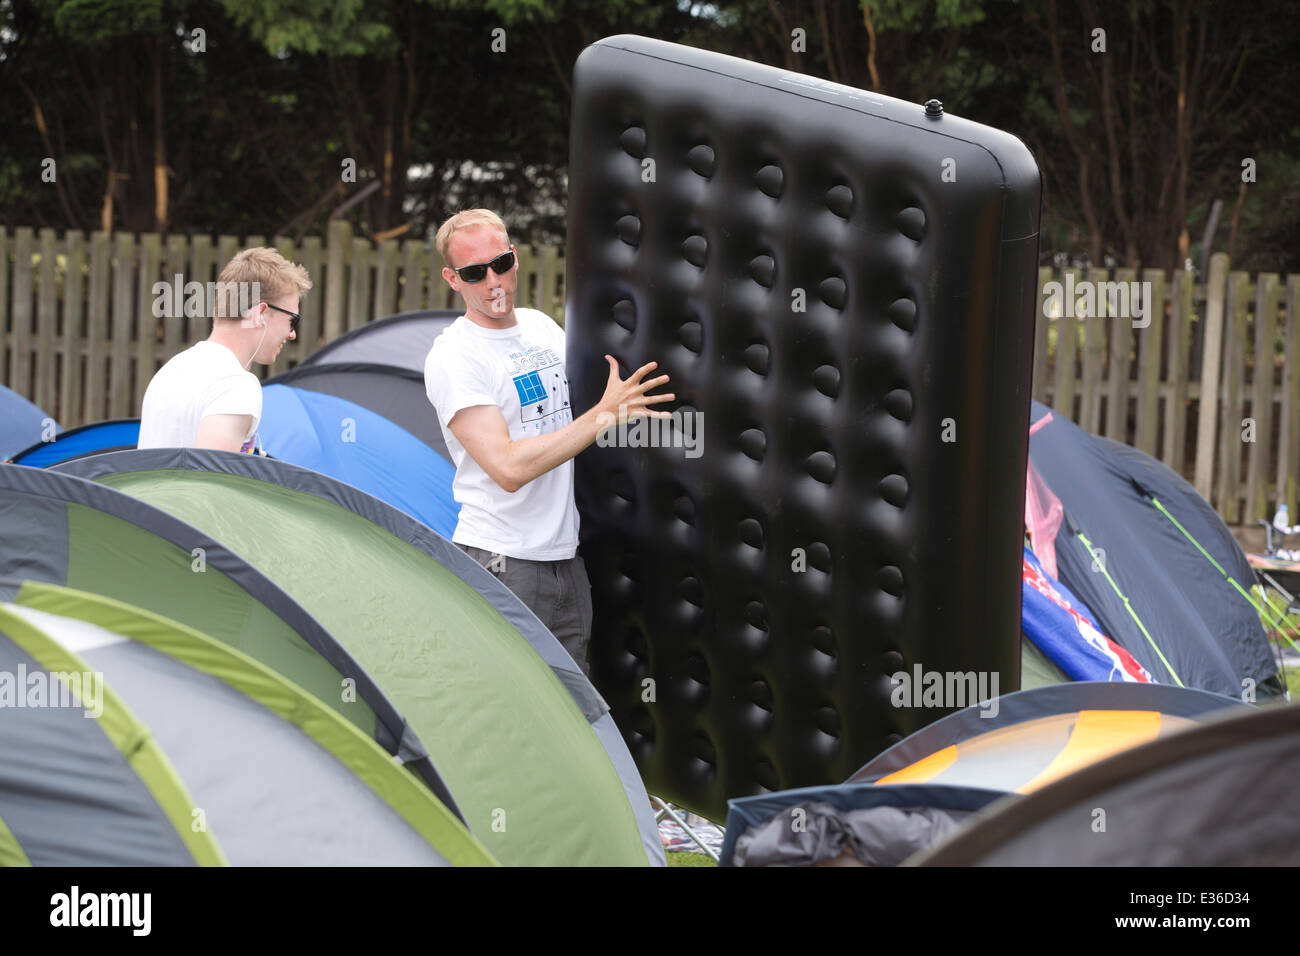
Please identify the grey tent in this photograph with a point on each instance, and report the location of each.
(196, 753)
(402, 341)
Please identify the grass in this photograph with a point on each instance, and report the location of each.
(689, 859)
(1290, 627)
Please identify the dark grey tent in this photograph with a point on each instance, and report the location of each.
(1219, 794)
(402, 341)
(846, 824)
(1152, 561)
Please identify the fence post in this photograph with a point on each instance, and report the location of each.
(1234, 352)
(201, 253)
(1094, 352)
(1261, 401)
(386, 279)
(359, 283)
(147, 329)
(412, 275)
(524, 295)
(119, 349)
(174, 326)
(47, 321)
(1121, 352)
(1182, 313)
(1148, 384)
(20, 348)
(338, 243)
(97, 328)
(1288, 448)
(1067, 345)
(73, 308)
(440, 294)
(1208, 409)
(310, 338)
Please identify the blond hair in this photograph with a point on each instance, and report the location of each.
(467, 219)
(275, 276)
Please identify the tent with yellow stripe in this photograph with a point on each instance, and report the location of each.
(922, 791)
(1022, 741)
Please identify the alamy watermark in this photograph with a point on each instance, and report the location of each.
(39, 688)
(680, 429)
(946, 689)
(1124, 300)
(178, 298)
(129, 910)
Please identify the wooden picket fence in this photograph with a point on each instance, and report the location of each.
(81, 341)
(1211, 386)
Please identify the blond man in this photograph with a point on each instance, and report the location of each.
(206, 397)
(497, 379)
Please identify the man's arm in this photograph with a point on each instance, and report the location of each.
(224, 432)
(511, 464)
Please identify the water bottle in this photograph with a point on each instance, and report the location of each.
(1282, 520)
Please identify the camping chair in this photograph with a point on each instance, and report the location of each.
(1276, 563)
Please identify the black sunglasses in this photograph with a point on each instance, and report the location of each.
(478, 271)
(294, 317)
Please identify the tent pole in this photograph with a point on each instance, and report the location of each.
(666, 810)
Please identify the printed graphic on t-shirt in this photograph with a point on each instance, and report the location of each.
(250, 447)
(543, 389)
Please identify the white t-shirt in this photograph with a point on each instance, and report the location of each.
(206, 379)
(520, 370)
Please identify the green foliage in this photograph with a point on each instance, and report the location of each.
(96, 22)
(256, 125)
(910, 15)
(335, 27)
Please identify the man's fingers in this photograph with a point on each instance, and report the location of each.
(634, 413)
(644, 370)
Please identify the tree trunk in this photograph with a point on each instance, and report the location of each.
(159, 142)
(871, 47)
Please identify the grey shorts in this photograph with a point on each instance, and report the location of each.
(558, 592)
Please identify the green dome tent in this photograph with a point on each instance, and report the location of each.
(197, 754)
(62, 530)
(525, 744)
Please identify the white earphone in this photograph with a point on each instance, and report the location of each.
(265, 329)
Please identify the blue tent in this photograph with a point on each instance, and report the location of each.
(92, 439)
(354, 445)
(21, 422)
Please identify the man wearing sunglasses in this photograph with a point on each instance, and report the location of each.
(206, 397)
(497, 379)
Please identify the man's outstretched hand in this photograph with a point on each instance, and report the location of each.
(626, 399)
